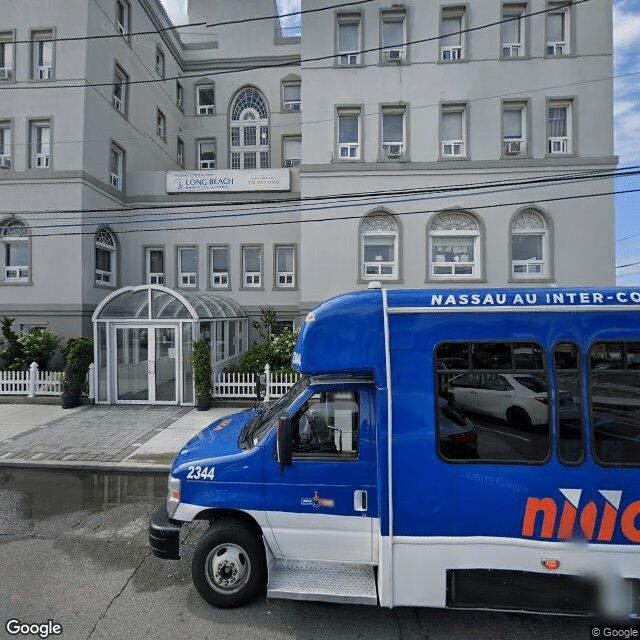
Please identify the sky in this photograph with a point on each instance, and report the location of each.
(626, 111)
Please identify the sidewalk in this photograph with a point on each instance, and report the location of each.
(99, 437)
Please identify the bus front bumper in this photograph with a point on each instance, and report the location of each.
(164, 535)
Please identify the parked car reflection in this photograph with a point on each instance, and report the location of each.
(458, 437)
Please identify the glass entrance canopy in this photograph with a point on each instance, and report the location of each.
(144, 338)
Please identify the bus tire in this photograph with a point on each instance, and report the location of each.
(229, 567)
(519, 418)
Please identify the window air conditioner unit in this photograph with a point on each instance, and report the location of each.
(555, 48)
(6, 73)
(292, 106)
(393, 150)
(451, 53)
(558, 144)
(349, 151)
(349, 58)
(42, 160)
(5, 161)
(291, 162)
(394, 55)
(44, 73)
(206, 109)
(513, 147)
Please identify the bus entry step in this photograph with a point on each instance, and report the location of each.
(322, 581)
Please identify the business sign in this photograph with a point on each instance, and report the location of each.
(220, 181)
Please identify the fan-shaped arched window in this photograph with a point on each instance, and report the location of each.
(15, 247)
(379, 241)
(454, 246)
(106, 257)
(249, 131)
(529, 245)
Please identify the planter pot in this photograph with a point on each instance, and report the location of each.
(203, 404)
(69, 401)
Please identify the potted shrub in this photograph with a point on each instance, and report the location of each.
(77, 360)
(202, 372)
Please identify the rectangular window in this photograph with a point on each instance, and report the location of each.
(291, 151)
(348, 39)
(614, 380)
(180, 152)
(161, 125)
(154, 266)
(251, 266)
(207, 154)
(14, 248)
(493, 402)
(7, 56)
(160, 62)
(219, 267)
(393, 132)
(120, 88)
(206, 100)
(512, 31)
(40, 143)
(394, 36)
(179, 96)
(5, 145)
(452, 24)
(559, 127)
(123, 17)
(187, 267)
(571, 440)
(379, 254)
(117, 168)
(291, 96)
(349, 134)
(42, 55)
(285, 267)
(513, 129)
(453, 124)
(558, 31)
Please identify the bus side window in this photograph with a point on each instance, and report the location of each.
(571, 441)
(614, 392)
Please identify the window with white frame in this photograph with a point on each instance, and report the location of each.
(512, 31)
(106, 257)
(393, 132)
(559, 127)
(394, 36)
(252, 266)
(180, 151)
(454, 238)
(529, 245)
(348, 38)
(291, 96)
(291, 151)
(206, 99)
(453, 131)
(558, 30)
(7, 55)
(123, 17)
(117, 167)
(379, 241)
(160, 62)
(285, 259)
(120, 89)
(161, 125)
(207, 154)
(42, 55)
(187, 267)
(513, 129)
(15, 248)
(5, 145)
(179, 96)
(154, 266)
(349, 134)
(249, 130)
(219, 267)
(40, 144)
(452, 24)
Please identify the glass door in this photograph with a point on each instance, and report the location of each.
(165, 378)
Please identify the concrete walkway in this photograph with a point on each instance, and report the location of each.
(99, 437)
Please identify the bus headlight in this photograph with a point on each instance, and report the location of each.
(173, 495)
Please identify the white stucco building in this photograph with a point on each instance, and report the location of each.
(419, 144)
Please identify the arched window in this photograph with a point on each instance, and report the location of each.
(249, 131)
(15, 247)
(529, 245)
(454, 246)
(379, 241)
(106, 257)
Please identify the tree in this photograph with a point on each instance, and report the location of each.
(12, 354)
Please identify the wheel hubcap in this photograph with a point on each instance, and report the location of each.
(228, 568)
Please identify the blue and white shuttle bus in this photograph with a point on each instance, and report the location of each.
(442, 448)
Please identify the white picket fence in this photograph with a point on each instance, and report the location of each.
(243, 385)
(34, 382)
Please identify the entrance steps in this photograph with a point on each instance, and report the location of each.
(322, 581)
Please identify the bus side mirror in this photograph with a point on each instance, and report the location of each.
(283, 442)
